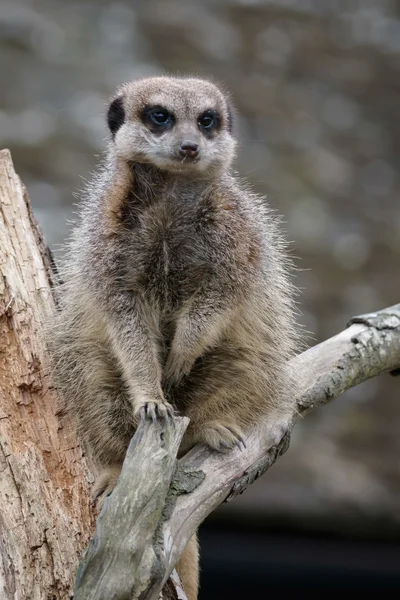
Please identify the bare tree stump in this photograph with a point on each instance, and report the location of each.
(45, 519)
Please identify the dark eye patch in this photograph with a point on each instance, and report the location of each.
(157, 118)
(116, 115)
(209, 122)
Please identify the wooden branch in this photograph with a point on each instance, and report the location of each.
(45, 519)
(128, 526)
(203, 479)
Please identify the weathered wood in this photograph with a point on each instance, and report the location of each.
(123, 559)
(204, 479)
(45, 519)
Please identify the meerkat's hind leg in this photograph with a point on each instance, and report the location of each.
(220, 435)
(224, 394)
(188, 568)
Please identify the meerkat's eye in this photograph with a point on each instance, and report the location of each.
(208, 120)
(160, 117)
(157, 118)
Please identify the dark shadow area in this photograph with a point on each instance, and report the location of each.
(245, 564)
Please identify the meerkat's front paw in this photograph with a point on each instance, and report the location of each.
(154, 409)
(104, 485)
(221, 436)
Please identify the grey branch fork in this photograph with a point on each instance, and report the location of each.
(159, 502)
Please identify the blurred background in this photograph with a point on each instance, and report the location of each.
(317, 88)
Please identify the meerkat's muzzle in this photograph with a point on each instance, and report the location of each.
(189, 150)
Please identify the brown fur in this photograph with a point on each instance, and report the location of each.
(176, 293)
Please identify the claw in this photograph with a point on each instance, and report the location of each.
(152, 410)
(152, 413)
(238, 445)
(161, 410)
(240, 439)
(225, 445)
(94, 496)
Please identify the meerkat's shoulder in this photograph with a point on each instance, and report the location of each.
(240, 190)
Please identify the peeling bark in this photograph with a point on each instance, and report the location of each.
(45, 519)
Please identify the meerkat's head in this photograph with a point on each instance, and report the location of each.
(178, 125)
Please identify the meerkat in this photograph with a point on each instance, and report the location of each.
(176, 294)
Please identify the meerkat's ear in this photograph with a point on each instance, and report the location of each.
(116, 114)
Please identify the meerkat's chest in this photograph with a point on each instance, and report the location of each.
(174, 254)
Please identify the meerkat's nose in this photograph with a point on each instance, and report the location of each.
(189, 149)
